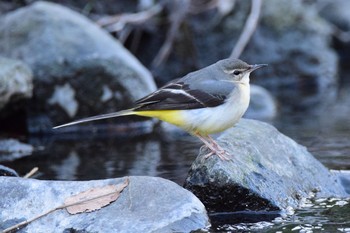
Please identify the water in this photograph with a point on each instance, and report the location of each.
(169, 155)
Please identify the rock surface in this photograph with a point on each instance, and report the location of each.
(268, 171)
(79, 69)
(147, 204)
(6, 171)
(16, 84)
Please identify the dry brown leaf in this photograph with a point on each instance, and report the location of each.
(94, 199)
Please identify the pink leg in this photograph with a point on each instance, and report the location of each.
(213, 146)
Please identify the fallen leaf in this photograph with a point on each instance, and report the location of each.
(94, 199)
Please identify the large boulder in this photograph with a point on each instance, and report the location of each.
(79, 69)
(147, 204)
(268, 171)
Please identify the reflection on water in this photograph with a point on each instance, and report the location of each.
(96, 157)
(168, 154)
(326, 134)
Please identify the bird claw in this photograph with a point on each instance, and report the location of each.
(214, 148)
(222, 154)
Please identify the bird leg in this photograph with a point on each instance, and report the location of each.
(213, 146)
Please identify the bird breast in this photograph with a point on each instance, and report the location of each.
(217, 119)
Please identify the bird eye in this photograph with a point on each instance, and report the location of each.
(236, 72)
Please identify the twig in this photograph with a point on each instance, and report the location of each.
(117, 23)
(249, 28)
(26, 222)
(31, 173)
(199, 8)
(180, 10)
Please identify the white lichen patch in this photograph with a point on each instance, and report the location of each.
(64, 96)
(107, 93)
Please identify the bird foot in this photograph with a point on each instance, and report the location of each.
(221, 153)
(213, 147)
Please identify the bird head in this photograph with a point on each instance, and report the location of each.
(238, 70)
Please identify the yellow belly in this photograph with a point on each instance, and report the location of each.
(174, 117)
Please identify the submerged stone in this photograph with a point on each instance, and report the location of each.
(6, 171)
(12, 149)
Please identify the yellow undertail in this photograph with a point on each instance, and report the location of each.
(174, 117)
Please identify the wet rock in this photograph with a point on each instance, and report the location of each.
(16, 85)
(268, 171)
(147, 204)
(12, 149)
(6, 171)
(79, 69)
(262, 104)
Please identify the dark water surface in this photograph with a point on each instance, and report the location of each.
(169, 155)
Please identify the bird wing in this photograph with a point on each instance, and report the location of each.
(182, 94)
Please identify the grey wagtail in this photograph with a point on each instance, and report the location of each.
(203, 102)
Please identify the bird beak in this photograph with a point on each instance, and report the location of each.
(255, 67)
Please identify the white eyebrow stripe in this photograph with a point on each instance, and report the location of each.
(229, 71)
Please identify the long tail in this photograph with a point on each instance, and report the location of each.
(98, 117)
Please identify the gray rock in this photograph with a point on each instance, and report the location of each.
(268, 171)
(79, 69)
(147, 204)
(12, 149)
(16, 84)
(6, 171)
(262, 104)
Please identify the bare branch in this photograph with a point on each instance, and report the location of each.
(179, 12)
(249, 28)
(117, 22)
(31, 173)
